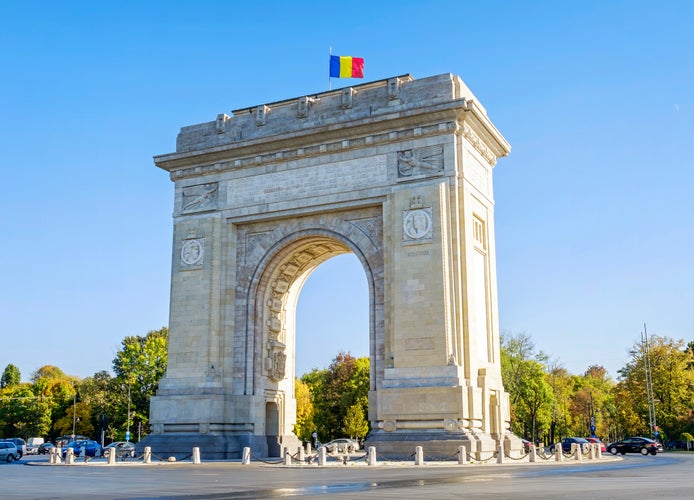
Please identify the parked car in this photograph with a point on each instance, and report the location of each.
(45, 448)
(121, 448)
(19, 443)
(567, 442)
(91, 448)
(9, 451)
(678, 444)
(635, 445)
(603, 447)
(342, 445)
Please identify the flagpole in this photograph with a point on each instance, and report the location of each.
(330, 82)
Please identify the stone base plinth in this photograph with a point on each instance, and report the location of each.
(436, 444)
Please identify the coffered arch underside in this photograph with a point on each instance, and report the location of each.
(275, 258)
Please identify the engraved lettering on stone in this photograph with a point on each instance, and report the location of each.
(419, 344)
(420, 161)
(201, 197)
(192, 252)
(417, 225)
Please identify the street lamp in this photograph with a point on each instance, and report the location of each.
(127, 432)
(74, 414)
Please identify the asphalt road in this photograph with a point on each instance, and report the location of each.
(668, 475)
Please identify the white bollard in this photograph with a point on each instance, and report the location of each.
(308, 449)
(591, 451)
(58, 455)
(371, 460)
(287, 457)
(598, 451)
(196, 455)
(300, 454)
(51, 455)
(321, 456)
(462, 455)
(558, 454)
(419, 455)
(500, 454)
(533, 453)
(578, 451)
(112, 456)
(70, 457)
(147, 455)
(246, 457)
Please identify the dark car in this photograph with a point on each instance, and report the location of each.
(89, 447)
(567, 442)
(635, 445)
(45, 448)
(122, 449)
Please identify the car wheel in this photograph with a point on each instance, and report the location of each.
(623, 452)
(653, 451)
(9, 458)
(613, 450)
(644, 451)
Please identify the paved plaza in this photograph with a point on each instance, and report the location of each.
(633, 476)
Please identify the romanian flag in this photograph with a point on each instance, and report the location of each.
(346, 67)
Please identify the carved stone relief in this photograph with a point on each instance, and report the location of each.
(199, 198)
(420, 161)
(417, 225)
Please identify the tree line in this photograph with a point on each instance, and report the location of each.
(55, 404)
(547, 402)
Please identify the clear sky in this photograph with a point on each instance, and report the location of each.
(594, 204)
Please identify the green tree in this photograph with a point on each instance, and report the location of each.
(334, 390)
(354, 424)
(672, 382)
(139, 365)
(11, 376)
(304, 411)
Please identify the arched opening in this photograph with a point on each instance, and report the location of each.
(332, 314)
(280, 280)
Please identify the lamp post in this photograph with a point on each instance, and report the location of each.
(127, 432)
(74, 414)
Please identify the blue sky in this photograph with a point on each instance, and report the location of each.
(594, 204)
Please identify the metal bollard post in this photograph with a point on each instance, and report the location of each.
(462, 455)
(246, 457)
(147, 455)
(321, 456)
(196, 455)
(287, 457)
(371, 460)
(500, 454)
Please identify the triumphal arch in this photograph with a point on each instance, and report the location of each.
(397, 172)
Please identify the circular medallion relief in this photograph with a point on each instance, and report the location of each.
(191, 252)
(417, 224)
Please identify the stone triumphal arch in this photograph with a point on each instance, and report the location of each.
(397, 172)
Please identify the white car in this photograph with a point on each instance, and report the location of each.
(8, 451)
(342, 445)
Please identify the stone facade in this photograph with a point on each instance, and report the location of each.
(397, 172)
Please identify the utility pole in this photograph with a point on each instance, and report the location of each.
(127, 432)
(649, 384)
